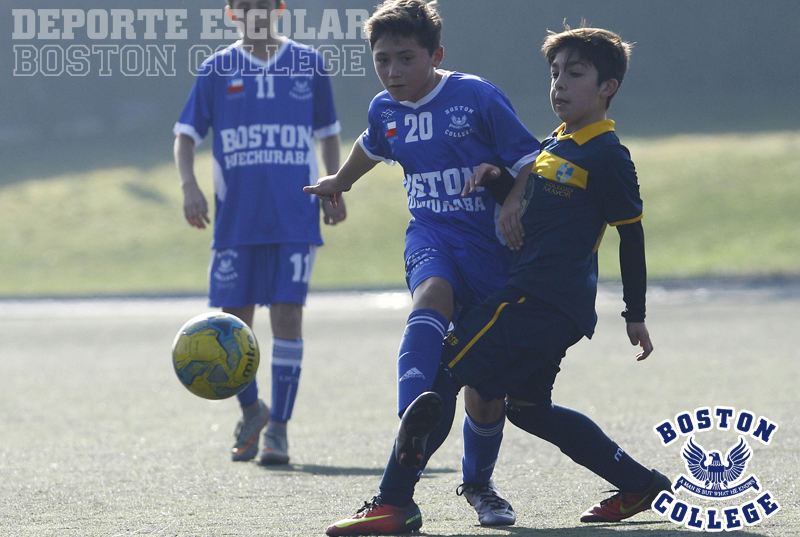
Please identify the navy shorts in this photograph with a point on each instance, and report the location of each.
(512, 344)
(262, 275)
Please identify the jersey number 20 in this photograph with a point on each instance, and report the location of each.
(422, 125)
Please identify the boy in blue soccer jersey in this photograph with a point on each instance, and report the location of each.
(267, 99)
(439, 126)
(511, 345)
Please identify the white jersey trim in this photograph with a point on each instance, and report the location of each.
(188, 130)
(524, 161)
(371, 155)
(327, 132)
(261, 63)
(432, 95)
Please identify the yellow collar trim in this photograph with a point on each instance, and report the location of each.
(586, 133)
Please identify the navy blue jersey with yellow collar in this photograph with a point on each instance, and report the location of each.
(580, 183)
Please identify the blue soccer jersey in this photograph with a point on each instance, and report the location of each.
(265, 118)
(439, 141)
(580, 183)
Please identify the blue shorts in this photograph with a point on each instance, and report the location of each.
(260, 275)
(512, 344)
(469, 290)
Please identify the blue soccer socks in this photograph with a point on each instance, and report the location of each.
(584, 442)
(481, 446)
(249, 396)
(287, 358)
(397, 485)
(420, 353)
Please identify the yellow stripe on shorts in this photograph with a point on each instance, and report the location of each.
(480, 334)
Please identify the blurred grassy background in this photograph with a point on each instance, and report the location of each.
(723, 205)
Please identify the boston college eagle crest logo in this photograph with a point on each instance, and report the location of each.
(711, 477)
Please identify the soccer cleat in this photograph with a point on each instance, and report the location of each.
(492, 509)
(419, 420)
(375, 518)
(276, 445)
(247, 431)
(624, 505)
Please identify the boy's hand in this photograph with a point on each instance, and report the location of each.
(638, 334)
(195, 207)
(510, 222)
(482, 173)
(327, 189)
(333, 214)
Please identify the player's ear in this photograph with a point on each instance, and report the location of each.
(608, 88)
(438, 56)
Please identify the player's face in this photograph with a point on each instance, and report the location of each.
(256, 15)
(575, 95)
(406, 70)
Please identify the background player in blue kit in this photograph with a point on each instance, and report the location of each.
(439, 126)
(267, 99)
(511, 345)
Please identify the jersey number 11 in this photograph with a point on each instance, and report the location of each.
(270, 87)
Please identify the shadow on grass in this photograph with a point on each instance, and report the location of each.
(316, 469)
(651, 528)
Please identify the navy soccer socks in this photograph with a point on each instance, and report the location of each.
(584, 442)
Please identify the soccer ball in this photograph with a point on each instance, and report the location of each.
(215, 355)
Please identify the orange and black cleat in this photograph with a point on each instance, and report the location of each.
(624, 505)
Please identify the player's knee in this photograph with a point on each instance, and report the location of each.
(531, 418)
(435, 293)
(483, 411)
(286, 320)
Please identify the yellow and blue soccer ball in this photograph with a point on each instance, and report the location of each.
(215, 355)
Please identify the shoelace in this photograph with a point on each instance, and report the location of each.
(485, 492)
(617, 494)
(374, 503)
(238, 430)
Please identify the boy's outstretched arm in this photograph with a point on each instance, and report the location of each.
(329, 188)
(195, 207)
(634, 285)
(331, 148)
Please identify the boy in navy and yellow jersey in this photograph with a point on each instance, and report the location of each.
(512, 344)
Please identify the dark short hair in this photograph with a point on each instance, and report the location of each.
(604, 49)
(406, 18)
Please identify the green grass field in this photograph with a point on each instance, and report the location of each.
(724, 205)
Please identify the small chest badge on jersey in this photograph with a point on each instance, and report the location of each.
(459, 117)
(301, 90)
(712, 476)
(235, 86)
(564, 173)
